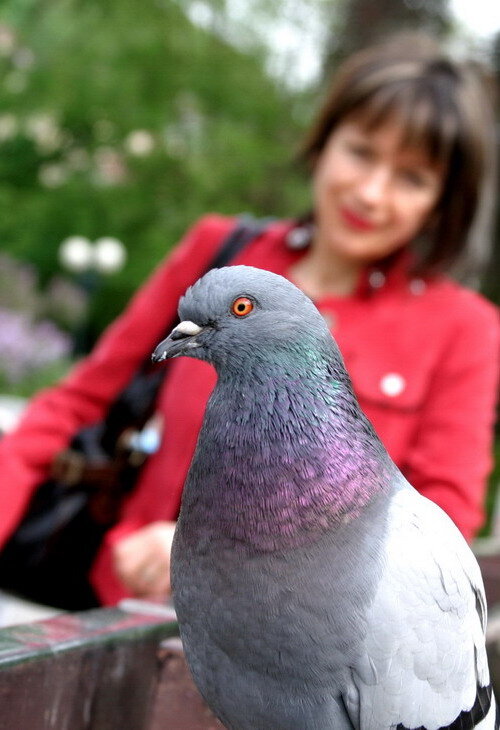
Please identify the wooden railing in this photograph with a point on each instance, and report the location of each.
(106, 669)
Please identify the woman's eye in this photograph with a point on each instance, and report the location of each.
(414, 178)
(362, 151)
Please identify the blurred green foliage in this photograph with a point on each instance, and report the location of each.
(36, 380)
(124, 119)
(491, 522)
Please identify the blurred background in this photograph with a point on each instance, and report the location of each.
(122, 121)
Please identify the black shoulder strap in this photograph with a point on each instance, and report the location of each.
(246, 229)
(135, 403)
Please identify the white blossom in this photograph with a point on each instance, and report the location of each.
(110, 166)
(7, 40)
(8, 126)
(45, 132)
(140, 142)
(52, 175)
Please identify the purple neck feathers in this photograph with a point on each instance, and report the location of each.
(281, 459)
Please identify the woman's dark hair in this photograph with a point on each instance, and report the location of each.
(443, 108)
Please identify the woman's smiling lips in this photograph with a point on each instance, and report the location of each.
(354, 220)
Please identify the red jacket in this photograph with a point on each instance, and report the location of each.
(423, 357)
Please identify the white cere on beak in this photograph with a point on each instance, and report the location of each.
(187, 328)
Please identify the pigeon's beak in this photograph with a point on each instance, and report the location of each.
(182, 338)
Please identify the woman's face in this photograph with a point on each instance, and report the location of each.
(371, 194)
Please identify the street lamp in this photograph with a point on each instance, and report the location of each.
(106, 255)
(89, 262)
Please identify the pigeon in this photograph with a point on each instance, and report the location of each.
(315, 588)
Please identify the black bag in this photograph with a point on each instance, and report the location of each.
(48, 557)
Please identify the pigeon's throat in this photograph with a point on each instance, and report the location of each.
(275, 464)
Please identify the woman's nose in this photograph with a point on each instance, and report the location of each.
(374, 186)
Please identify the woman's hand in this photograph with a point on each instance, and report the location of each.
(142, 561)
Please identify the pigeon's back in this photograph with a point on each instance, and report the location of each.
(423, 662)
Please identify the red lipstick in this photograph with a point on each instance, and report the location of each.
(356, 221)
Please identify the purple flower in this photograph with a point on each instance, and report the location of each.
(27, 346)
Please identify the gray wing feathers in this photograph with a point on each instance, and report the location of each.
(429, 604)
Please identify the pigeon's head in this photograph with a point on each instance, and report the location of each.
(241, 310)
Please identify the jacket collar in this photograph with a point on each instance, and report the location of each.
(394, 272)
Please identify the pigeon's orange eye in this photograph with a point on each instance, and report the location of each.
(242, 306)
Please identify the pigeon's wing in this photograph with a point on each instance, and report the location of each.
(423, 663)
